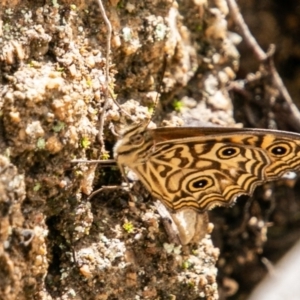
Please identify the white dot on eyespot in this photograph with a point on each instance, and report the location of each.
(289, 175)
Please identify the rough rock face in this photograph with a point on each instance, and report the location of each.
(22, 249)
(56, 243)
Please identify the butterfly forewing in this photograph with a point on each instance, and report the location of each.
(205, 167)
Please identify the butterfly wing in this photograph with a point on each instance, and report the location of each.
(203, 168)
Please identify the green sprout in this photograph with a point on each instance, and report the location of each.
(199, 28)
(60, 69)
(191, 284)
(120, 5)
(41, 143)
(195, 252)
(37, 187)
(89, 82)
(85, 142)
(128, 227)
(178, 105)
(78, 173)
(151, 110)
(59, 126)
(111, 91)
(186, 265)
(105, 156)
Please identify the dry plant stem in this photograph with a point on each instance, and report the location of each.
(248, 37)
(267, 61)
(294, 118)
(104, 163)
(106, 90)
(104, 188)
(119, 106)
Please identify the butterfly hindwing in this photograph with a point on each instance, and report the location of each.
(203, 174)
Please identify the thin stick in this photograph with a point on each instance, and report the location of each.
(266, 59)
(104, 188)
(106, 91)
(248, 37)
(110, 162)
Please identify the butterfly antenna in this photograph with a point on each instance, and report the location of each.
(113, 97)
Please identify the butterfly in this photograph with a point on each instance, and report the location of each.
(200, 168)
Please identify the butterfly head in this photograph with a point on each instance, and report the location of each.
(133, 144)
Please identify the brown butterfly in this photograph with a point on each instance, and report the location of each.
(200, 168)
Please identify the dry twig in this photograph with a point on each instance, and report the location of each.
(106, 90)
(267, 60)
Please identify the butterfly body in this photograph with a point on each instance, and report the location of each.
(201, 168)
